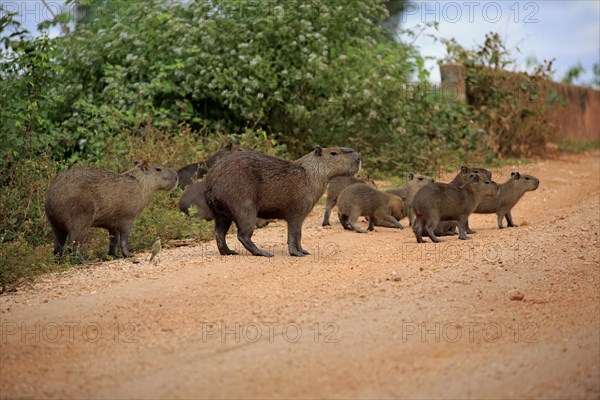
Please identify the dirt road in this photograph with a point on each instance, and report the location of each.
(368, 316)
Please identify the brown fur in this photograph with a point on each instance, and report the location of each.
(247, 185)
(510, 193)
(85, 197)
(407, 193)
(463, 177)
(336, 186)
(364, 200)
(446, 202)
(193, 195)
(192, 172)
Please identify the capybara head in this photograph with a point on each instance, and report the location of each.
(154, 177)
(482, 172)
(367, 180)
(396, 207)
(524, 183)
(330, 162)
(481, 186)
(419, 178)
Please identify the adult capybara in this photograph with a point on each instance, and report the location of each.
(192, 172)
(446, 202)
(85, 197)
(510, 193)
(336, 186)
(363, 200)
(193, 195)
(463, 177)
(247, 185)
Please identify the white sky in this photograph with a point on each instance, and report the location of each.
(568, 30)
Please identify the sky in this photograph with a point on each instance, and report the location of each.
(568, 31)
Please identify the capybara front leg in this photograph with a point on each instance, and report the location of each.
(123, 235)
(469, 230)
(509, 220)
(295, 238)
(113, 236)
(462, 228)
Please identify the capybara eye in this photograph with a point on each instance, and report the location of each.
(420, 179)
(158, 169)
(333, 153)
(527, 178)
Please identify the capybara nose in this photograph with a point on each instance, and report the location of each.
(346, 150)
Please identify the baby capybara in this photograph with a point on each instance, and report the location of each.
(446, 202)
(407, 192)
(85, 197)
(193, 195)
(334, 189)
(510, 193)
(192, 172)
(247, 185)
(364, 200)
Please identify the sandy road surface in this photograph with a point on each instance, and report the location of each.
(369, 316)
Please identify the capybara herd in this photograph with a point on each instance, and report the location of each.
(249, 189)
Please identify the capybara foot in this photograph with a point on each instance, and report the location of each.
(261, 253)
(229, 252)
(470, 231)
(464, 237)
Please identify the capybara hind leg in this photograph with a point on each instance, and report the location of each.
(353, 219)
(113, 236)
(245, 230)
(417, 228)
(60, 238)
(295, 238)
(509, 220)
(344, 221)
(429, 228)
(371, 227)
(222, 225)
(390, 220)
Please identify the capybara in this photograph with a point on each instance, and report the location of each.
(193, 195)
(407, 192)
(85, 197)
(446, 202)
(510, 193)
(463, 176)
(336, 186)
(247, 185)
(192, 172)
(363, 200)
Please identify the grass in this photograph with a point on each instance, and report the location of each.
(569, 146)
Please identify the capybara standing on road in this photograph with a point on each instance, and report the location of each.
(364, 200)
(446, 202)
(510, 193)
(247, 185)
(335, 188)
(85, 197)
(190, 173)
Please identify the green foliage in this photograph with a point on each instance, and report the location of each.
(510, 107)
(573, 74)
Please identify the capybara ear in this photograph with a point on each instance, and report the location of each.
(318, 151)
(474, 177)
(464, 169)
(144, 165)
(403, 198)
(229, 146)
(411, 176)
(515, 175)
(136, 163)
